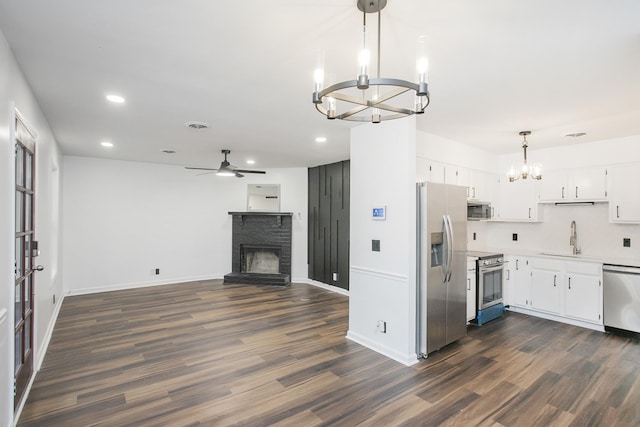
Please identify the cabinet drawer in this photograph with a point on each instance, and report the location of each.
(546, 264)
(590, 268)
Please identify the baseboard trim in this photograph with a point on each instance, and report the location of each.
(405, 359)
(134, 285)
(321, 285)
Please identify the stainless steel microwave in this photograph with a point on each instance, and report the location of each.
(478, 211)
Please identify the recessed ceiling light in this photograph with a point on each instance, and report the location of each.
(576, 134)
(106, 144)
(117, 99)
(197, 125)
(251, 162)
(321, 139)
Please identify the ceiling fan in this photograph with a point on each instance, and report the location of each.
(226, 168)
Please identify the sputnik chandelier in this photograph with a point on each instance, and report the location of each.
(373, 99)
(535, 171)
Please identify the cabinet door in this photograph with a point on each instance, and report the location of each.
(589, 184)
(583, 297)
(518, 200)
(521, 285)
(553, 187)
(624, 203)
(545, 290)
(471, 295)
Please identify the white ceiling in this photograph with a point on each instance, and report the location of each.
(245, 67)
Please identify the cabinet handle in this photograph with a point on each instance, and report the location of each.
(554, 280)
(474, 192)
(617, 211)
(576, 192)
(529, 213)
(517, 268)
(563, 192)
(468, 284)
(569, 282)
(508, 274)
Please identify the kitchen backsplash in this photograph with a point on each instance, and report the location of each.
(597, 237)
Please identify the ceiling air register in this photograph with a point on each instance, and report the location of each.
(380, 98)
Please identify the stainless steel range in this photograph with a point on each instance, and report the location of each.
(489, 295)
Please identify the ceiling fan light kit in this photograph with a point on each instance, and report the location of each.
(226, 168)
(534, 171)
(372, 105)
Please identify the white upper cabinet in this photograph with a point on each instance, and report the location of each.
(624, 195)
(574, 185)
(517, 201)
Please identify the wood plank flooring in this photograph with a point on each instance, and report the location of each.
(208, 354)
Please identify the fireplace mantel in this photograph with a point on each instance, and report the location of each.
(278, 215)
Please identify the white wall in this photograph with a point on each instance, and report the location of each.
(382, 285)
(14, 90)
(122, 220)
(434, 147)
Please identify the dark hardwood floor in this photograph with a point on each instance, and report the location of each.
(207, 354)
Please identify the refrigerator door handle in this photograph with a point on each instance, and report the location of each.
(450, 261)
(445, 253)
(449, 252)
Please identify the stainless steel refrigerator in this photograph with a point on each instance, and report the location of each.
(442, 259)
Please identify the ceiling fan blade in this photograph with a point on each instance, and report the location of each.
(200, 169)
(249, 171)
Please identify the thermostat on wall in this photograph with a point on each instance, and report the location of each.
(379, 213)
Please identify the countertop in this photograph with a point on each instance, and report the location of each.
(633, 262)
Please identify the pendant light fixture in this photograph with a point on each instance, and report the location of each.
(373, 99)
(534, 171)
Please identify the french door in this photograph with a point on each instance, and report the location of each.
(25, 250)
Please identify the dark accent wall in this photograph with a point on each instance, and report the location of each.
(328, 250)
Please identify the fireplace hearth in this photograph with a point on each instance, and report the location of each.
(261, 248)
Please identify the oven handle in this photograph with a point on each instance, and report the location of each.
(491, 268)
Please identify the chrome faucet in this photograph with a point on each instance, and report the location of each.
(573, 239)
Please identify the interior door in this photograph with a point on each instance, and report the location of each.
(25, 250)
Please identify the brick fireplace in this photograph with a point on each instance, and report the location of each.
(261, 248)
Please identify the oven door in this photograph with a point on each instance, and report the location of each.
(489, 286)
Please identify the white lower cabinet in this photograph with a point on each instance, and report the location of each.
(545, 285)
(519, 278)
(471, 290)
(583, 293)
(564, 290)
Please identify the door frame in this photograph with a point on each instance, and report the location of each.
(28, 141)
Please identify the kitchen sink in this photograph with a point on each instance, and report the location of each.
(560, 254)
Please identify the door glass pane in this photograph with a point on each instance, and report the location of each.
(19, 210)
(19, 167)
(27, 335)
(19, 258)
(28, 222)
(27, 258)
(27, 173)
(17, 361)
(28, 287)
(18, 305)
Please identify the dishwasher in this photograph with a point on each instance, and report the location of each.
(621, 297)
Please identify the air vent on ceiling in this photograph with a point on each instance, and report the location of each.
(197, 125)
(168, 151)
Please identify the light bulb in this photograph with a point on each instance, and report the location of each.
(363, 61)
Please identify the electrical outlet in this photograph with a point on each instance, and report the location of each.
(382, 326)
(514, 237)
(474, 235)
(375, 245)
(335, 277)
(54, 298)
(157, 271)
(626, 242)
